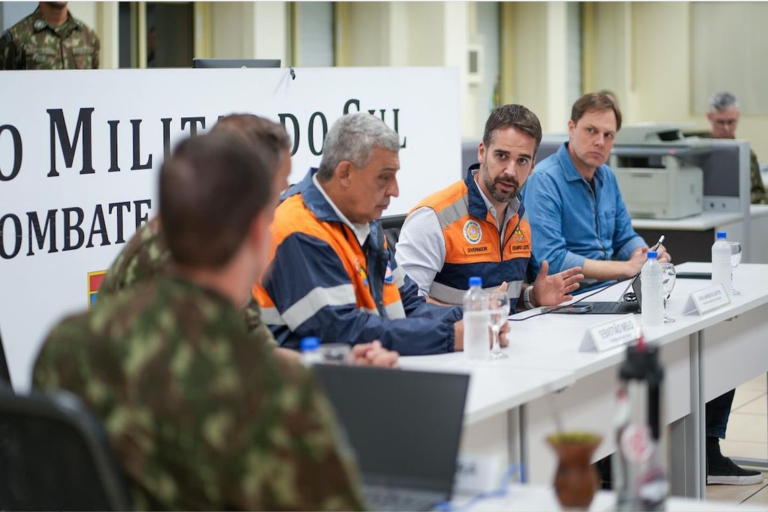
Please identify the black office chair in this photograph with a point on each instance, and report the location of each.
(392, 226)
(54, 455)
(5, 374)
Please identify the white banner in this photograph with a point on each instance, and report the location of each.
(79, 153)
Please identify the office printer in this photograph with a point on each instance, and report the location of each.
(653, 167)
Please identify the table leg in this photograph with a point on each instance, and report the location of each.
(518, 441)
(698, 405)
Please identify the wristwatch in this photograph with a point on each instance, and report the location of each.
(527, 298)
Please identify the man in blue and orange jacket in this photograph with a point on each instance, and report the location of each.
(476, 227)
(332, 274)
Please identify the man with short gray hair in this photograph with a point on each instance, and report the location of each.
(723, 115)
(332, 274)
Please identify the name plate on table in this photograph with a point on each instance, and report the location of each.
(706, 300)
(477, 473)
(611, 334)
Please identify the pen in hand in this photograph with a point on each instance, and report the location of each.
(658, 244)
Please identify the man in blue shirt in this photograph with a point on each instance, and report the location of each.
(577, 215)
(578, 219)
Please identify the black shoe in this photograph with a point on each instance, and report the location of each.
(724, 471)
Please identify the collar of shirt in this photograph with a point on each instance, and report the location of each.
(62, 30)
(361, 231)
(512, 207)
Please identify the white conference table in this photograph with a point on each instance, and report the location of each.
(703, 357)
(523, 498)
(756, 239)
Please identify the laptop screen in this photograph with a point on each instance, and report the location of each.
(404, 426)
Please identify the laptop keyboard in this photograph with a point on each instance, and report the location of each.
(613, 308)
(385, 498)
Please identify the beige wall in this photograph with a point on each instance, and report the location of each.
(227, 34)
(530, 57)
(85, 11)
(267, 25)
(643, 52)
(369, 38)
(414, 34)
(427, 45)
(661, 61)
(249, 30)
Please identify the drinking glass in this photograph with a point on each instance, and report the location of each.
(498, 306)
(669, 276)
(735, 260)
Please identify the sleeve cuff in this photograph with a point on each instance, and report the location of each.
(571, 260)
(626, 252)
(451, 339)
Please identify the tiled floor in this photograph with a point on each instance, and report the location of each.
(747, 437)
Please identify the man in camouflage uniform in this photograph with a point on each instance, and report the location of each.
(202, 416)
(146, 255)
(724, 116)
(49, 38)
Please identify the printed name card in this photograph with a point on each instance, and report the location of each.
(477, 473)
(706, 300)
(611, 334)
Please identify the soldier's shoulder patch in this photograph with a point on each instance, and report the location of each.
(39, 25)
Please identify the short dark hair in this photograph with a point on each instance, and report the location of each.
(513, 116)
(211, 189)
(272, 135)
(595, 102)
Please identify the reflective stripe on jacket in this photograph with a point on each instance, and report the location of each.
(321, 282)
(473, 245)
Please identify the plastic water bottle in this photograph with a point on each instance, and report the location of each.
(721, 263)
(477, 345)
(310, 351)
(640, 463)
(652, 285)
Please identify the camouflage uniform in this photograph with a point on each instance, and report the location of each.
(33, 44)
(759, 195)
(146, 257)
(200, 415)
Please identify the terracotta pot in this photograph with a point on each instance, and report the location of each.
(576, 480)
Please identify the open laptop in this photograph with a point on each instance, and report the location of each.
(621, 306)
(404, 427)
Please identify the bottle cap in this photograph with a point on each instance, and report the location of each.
(721, 234)
(475, 281)
(310, 343)
(652, 255)
(642, 362)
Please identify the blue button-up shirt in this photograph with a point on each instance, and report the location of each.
(570, 222)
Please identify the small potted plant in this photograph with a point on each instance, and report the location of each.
(576, 480)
